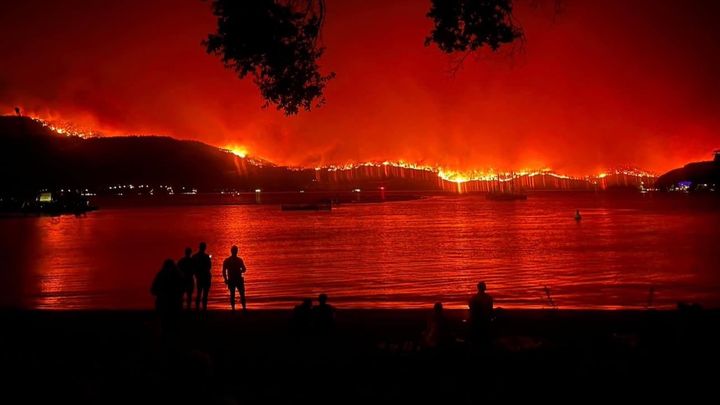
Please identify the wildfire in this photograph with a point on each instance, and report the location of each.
(239, 151)
(492, 175)
(444, 173)
(66, 128)
(460, 177)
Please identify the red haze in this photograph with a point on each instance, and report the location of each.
(598, 85)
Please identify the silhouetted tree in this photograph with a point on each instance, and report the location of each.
(468, 25)
(276, 42)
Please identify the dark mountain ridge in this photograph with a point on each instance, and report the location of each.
(32, 156)
(697, 176)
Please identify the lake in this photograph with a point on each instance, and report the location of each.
(402, 254)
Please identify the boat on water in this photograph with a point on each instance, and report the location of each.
(505, 196)
(307, 207)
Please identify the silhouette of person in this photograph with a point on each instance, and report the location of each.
(167, 287)
(187, 269)
(481, 313)
(203, 276)
(578, 217)
(323, 315)
(301, 318)
(17, 111)
(436, 332)
(232, 271)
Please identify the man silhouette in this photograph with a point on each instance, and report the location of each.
(232, 272)
(481, 312)
(203, 276)
(187, 267)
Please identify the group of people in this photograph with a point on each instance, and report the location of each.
(437, 331)
(175, 283)
(307, 318)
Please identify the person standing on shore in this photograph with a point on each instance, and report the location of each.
(203, 276)
(481, 313)
(232, 271)
(187, 267)
(167, 287)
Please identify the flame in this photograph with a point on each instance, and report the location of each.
(239, 151)
(460, 177)
(66, 128)
(444, 173)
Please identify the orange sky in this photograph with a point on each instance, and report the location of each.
(598, 85)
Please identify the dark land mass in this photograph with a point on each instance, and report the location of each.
(34, 157)
(698, 176)
(373, 357)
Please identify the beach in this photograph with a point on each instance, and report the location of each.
(373, 356)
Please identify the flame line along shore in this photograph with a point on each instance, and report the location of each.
(458, 176)
(477, 182)
(462, 179)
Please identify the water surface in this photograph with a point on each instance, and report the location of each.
(399, 254)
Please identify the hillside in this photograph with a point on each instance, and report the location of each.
(32, 156)
(698, 176)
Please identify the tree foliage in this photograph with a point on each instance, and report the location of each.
(468, 25)
(275, 42)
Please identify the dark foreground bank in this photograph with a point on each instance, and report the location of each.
(374, 356)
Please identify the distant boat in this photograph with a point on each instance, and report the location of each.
(505, 196)
(324, 206)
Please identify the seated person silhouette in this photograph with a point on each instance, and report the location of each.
(167, 287)
(436, 332)
(301, 318)
(232, 272)
(323, 315)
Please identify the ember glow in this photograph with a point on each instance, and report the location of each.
(66, 128)
(599, 85)
(458, 176)
(239, 151)
(444, 174)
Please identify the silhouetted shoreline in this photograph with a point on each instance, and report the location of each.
(100, 165)
(119, 356)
